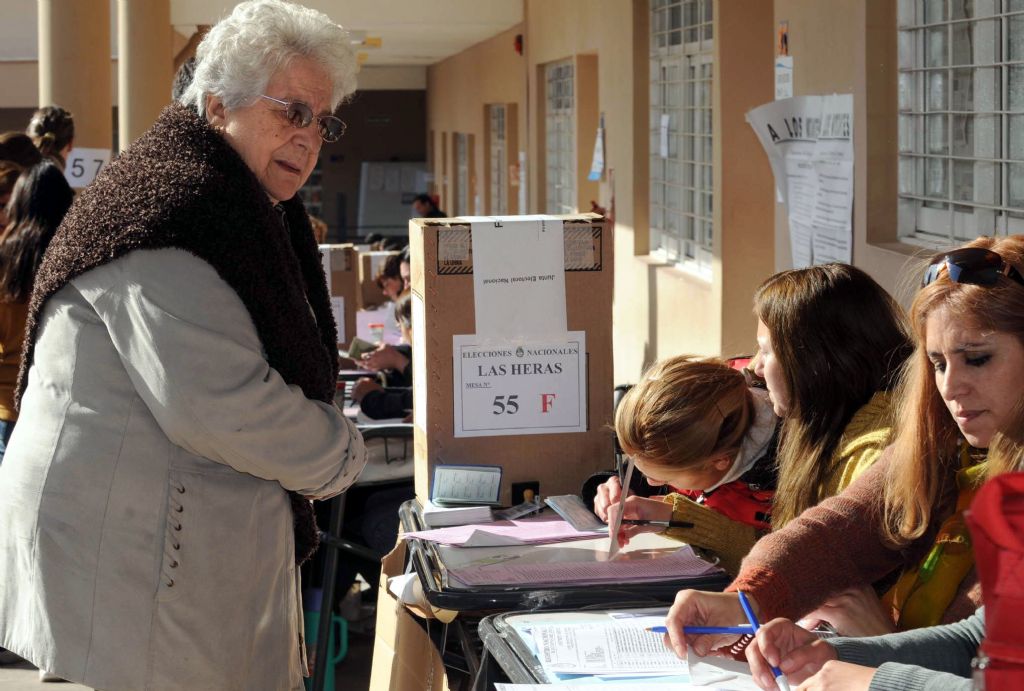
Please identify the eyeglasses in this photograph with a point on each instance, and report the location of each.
(975, 265)
(300, 115)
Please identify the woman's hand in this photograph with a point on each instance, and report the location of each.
(363, 387)
(699, 608)
(855, 612)
(793, 649)
(639, 508)
(840, 676)
(385, 357)
(607, 495)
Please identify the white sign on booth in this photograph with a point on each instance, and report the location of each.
(83, 165)
(528, 388)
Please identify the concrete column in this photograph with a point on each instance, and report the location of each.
(74, 65)
(144, 65)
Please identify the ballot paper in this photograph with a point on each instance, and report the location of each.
(540, 530)
(609, 648)
(444, 516)
(616, 524)
(680, 564)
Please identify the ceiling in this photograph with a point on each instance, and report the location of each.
(411, 32)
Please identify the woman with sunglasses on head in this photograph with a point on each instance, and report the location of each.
(831, 341)
(177, 385)
(902, 520)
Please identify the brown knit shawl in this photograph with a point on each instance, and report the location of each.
(180, 185)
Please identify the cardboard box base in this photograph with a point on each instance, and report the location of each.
(404, 657)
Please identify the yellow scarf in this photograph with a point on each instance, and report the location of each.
(922, 594)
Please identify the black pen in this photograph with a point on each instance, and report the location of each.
(663, 524)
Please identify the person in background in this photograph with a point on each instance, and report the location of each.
(39, 201)
(9, 173)
(183, 78)
(424, 206)
(902, 520)
(393, 401)
(17, 147)
(319, 229)
(698, 427)
(177, 385)
(831, 342)
(52, 130)
(389, 280)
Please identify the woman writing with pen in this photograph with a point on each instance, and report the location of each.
(903, 519)
(831, 340)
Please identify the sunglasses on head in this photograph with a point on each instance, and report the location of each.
(975, 265)
(300, 115)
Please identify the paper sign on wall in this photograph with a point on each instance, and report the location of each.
(666, 119)
(597, 163)
(519, 278)
(530, 388)
(84, 165)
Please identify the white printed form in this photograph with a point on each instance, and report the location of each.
(533, 388)
(519, 278)
(603, 649)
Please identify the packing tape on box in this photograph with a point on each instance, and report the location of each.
(455, 249)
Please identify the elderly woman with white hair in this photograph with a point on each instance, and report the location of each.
(177, 385)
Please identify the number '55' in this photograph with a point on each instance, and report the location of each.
(508, 405)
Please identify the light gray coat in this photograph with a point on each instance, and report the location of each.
(145, 532)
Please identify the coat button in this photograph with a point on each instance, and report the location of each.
(179, 509)
(177, 527)
(175, 545)
(169, 582)
(173, 564)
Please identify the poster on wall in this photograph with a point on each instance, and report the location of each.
(809, 142)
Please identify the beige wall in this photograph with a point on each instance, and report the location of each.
(849, 46)
(458, 90)
(659, 310)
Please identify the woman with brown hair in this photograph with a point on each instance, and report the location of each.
(903, 518)
(38, 203)
(53, 132)
(831, 340)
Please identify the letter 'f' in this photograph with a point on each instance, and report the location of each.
(547, 400)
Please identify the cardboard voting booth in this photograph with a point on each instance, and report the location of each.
(512, 326)
(342, 271)
(370, 266)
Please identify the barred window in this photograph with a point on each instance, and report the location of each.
(560, 139)
(961, 120)
(498, 163)
(682, 180)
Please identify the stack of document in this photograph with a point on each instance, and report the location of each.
(680, 564)
(444, 516)
(528, 531)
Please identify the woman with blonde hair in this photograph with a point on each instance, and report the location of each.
(696, 426)
(903, 519)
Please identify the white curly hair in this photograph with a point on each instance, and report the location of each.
(240, 54)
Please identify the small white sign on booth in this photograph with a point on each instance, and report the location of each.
(532, 388)
(83, 165)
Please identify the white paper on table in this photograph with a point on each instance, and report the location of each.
(519, 278)
(338, 310)
(502, 533)
(609, 648)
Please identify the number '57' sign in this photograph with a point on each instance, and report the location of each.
(83, 165)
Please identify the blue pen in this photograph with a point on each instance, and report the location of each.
(707, 629)
(780, 678)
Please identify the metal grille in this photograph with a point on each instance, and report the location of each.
(681, 140)
(462, 175)
(560, 139)
(498, 164)
(961, 128)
